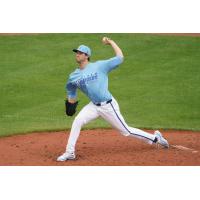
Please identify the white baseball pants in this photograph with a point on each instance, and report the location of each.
(111, 113)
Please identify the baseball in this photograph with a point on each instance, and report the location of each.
(105, 40)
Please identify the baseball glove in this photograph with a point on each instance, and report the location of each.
(70, 108)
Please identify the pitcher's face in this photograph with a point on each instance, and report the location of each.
(81, 57)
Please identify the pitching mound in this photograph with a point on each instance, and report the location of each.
(99, 148)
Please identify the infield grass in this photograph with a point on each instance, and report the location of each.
(157, 86)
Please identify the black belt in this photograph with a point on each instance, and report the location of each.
(99, 104)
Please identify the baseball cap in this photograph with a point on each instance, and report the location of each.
(83, 49)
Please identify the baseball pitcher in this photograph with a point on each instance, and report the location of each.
(92, 79)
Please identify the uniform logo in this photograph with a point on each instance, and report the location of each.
(87, 79)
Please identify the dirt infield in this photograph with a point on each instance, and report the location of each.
(99, 148)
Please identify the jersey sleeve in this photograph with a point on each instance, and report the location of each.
(110, 64)
(71, 90)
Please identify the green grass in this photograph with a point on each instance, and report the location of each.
(157, 86)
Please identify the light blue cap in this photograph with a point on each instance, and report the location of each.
(83, 49)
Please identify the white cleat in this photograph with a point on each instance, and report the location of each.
(66, 156)
(161, 140)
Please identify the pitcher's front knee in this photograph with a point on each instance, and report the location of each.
(79, 121)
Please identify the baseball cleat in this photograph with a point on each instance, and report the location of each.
(66, 156)
(161, 140)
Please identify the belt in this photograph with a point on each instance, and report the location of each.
(103, 103)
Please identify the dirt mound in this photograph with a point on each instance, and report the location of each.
(99, 148)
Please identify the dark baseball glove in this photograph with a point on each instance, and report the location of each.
(70, 107)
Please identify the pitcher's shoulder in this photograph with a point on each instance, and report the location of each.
(76, 71)
(74, 74)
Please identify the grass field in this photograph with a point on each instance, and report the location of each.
(157, 86)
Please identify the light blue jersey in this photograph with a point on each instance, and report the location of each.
(93, 80)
